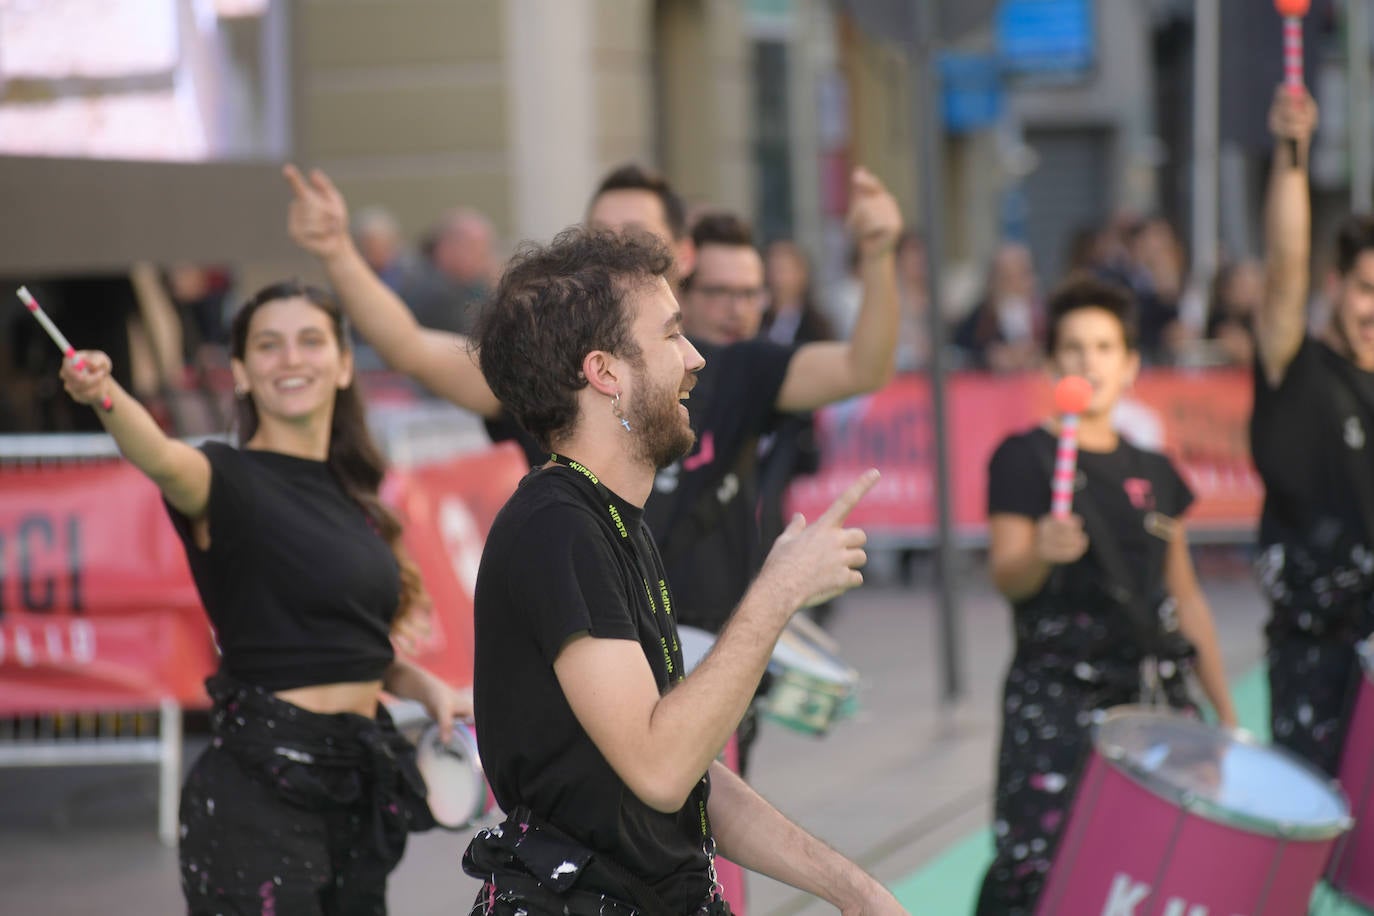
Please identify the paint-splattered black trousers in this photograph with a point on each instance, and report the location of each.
(291, 812)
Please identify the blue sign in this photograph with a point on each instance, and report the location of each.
(970, 91)
(1046, 37)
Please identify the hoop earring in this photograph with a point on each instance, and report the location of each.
(615, 409)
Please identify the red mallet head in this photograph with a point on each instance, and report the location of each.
(1293, 8)
(1072, 394)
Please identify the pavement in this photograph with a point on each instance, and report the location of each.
(901, 788)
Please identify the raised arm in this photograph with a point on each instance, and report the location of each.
(442, 362)
(752, 833)
(181, 472)
(660, 746)
(824, 372)
(1282, 318)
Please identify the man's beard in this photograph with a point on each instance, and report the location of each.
(661, 437)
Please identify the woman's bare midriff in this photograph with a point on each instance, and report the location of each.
(359, 697)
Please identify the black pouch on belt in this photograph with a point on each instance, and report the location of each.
(522, 849)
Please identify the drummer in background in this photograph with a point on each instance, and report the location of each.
(1313, 418)
(1078, 645)
(600, 750)
(303, 801)
(704, 507)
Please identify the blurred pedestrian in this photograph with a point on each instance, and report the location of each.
(1004, 331)
(1107, 607)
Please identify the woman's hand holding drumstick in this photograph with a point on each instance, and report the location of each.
(86, 377)
(68, 352)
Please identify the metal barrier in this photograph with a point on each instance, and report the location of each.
(100, 739)
(84, 738)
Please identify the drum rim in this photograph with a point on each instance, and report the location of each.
(1210, 810)
(465, 728)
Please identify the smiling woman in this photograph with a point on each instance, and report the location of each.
(300, 569)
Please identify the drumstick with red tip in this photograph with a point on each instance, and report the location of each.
(1071, 397)
(68, 351)
(1292, 12)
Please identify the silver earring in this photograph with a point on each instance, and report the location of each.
(615, 409)
(240, 391)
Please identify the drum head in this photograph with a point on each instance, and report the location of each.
(1222, 775)
(794, 652)
(453, 775)
(695, 644)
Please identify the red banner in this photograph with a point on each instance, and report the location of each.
(447, 510)
(97, 606)
(1200, 419)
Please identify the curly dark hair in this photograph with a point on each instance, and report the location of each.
(1082, 291)
(555, 304)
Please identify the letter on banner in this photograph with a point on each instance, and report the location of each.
(1176, 907)
(1125, 896)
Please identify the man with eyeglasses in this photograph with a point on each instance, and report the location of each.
(703, 511)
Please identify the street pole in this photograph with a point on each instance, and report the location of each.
(1206, 145)
(1361, 97)
(926, 121)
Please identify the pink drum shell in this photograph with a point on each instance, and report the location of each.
(1120, 827)
(1352, 866)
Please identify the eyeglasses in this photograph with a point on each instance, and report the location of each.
(746, 295)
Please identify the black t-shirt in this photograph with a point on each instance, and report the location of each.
(299, 586)
(1301, 437)
(1133, 492)
(554, 566)
(703, 509)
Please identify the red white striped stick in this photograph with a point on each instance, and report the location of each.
(1065, 467)
(68, 351)
(1292, 12)
(1071, 397)
(1292, 54)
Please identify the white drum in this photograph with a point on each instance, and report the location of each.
(458, 795)
(812, 687)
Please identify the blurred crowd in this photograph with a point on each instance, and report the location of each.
(167, 325)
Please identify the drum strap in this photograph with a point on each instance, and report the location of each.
(1117, 580)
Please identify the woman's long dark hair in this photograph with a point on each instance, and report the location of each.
(354, 458)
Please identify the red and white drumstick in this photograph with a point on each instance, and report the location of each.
(1292, 12)
(68, 351)
(1071, 397)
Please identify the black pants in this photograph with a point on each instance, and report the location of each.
(1311, 687)
(245, 851)
(292, 812)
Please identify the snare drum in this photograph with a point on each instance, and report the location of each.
(812, 687)
(1352, 868)
(1176, 816)
(458, 793)
(456, 787)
